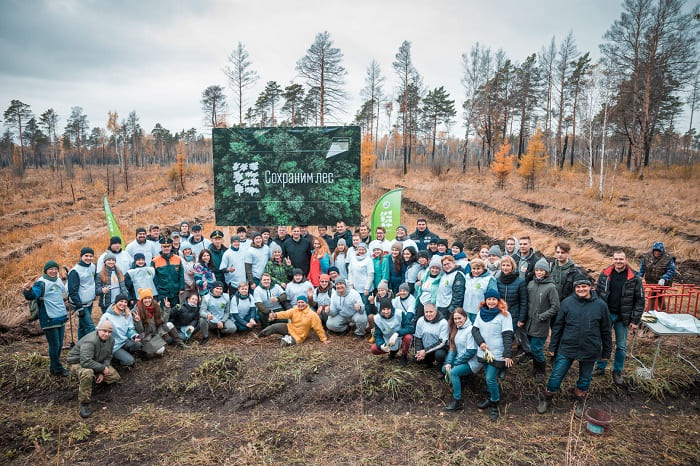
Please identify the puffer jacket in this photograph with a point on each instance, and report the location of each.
(514, 293)
(582, 329)
(632, 303)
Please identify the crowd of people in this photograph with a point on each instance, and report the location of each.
(458, 314)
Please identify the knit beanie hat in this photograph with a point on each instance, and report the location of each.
(121, 297)
(106, 325)
(341, 281)
(385, 304)
(404, 286)
(398, 245)
(145, 293)
(375, 245)
(383, 285)
(298, 271)
(110, 255)
(50, 264)
(402, 227)
(324, 276)
(274, 247)
(87, 250)
(217, 284)
(495, 251)
(542, 264)
(459, 245)
(341, 241)
(333, 268)
(139, 255)
(361, 245)
(115, 240)
(442, 241)
(435, 262)
(424, 254)
(581, 279)
(491, 293)
(303, 298)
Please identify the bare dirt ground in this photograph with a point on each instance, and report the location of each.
(244, 400)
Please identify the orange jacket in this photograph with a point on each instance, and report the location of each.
(301, 323)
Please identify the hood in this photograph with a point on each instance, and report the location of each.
(658, 246)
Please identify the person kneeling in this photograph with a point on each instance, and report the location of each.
(392, 330)
(127, 341)
(301, 320)
(153, 324)
(215, 313)
(90, 359)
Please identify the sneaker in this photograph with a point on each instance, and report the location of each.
(598, 372)
(286, 340)
(454, 405)
(493, 414)
(617, 378)
(484, 404)
(84, 410)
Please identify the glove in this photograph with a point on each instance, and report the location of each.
(385, 348)
(190, 329)
(662, 282)
(392, 340)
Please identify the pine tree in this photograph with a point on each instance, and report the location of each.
(534, 160)
(502, 165)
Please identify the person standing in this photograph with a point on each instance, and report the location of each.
(581, 333)
(422, 236)
(142, 245)
(217, 250)
(90, 359)
(197, 240)
(81, 291)
(341, 231)
(402, 236)
(169, 273)
(122, 257)
(658, 267)
(526, 258)
(233, 265)
(621, 289)
(563, 271)
(49, 290)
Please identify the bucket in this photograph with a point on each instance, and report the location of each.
(598, 421)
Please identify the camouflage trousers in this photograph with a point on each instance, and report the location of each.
(86, 377)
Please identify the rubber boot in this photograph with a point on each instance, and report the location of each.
(493, 414)
(580, 396)
(403, 361)
(454, 405)
(539, 371)
(85, 410)
(544, 404)
(392, 354)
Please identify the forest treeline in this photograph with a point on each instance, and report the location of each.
(622, 109)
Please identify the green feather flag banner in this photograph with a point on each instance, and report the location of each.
(387, 213)
(111, 222)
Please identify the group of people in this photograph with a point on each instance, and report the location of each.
(459, 314)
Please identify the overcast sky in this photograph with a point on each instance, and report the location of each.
(156, 57)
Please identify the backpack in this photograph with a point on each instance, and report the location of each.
(34, 305)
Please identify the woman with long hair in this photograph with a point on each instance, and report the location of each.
(109, 282)
(340, 258)
(152, 322)
(493, 332)
(320, 260)
(204, 276)
(397, 268)
(461, 359)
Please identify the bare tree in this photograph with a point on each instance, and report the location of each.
(373, 93)
(547, 59)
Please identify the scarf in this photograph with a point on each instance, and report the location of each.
(487, 315)
(46, 277)
(460, 255)
(508, 279)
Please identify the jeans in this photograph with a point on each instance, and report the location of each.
(456, 373)
(54, 337)
(85, 323)
(621, 332)
(492, 381)
(124, 354)
(185, 335)
(562, 364)
(536, 345)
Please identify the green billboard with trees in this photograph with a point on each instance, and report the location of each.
(285, 176)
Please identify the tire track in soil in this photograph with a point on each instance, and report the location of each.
(23, 250)
(688, 271)
(666, 230)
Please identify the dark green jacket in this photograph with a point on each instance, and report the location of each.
(169, 275)
(280, 274)
(92, 353)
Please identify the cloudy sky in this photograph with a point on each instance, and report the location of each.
(156, 57)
